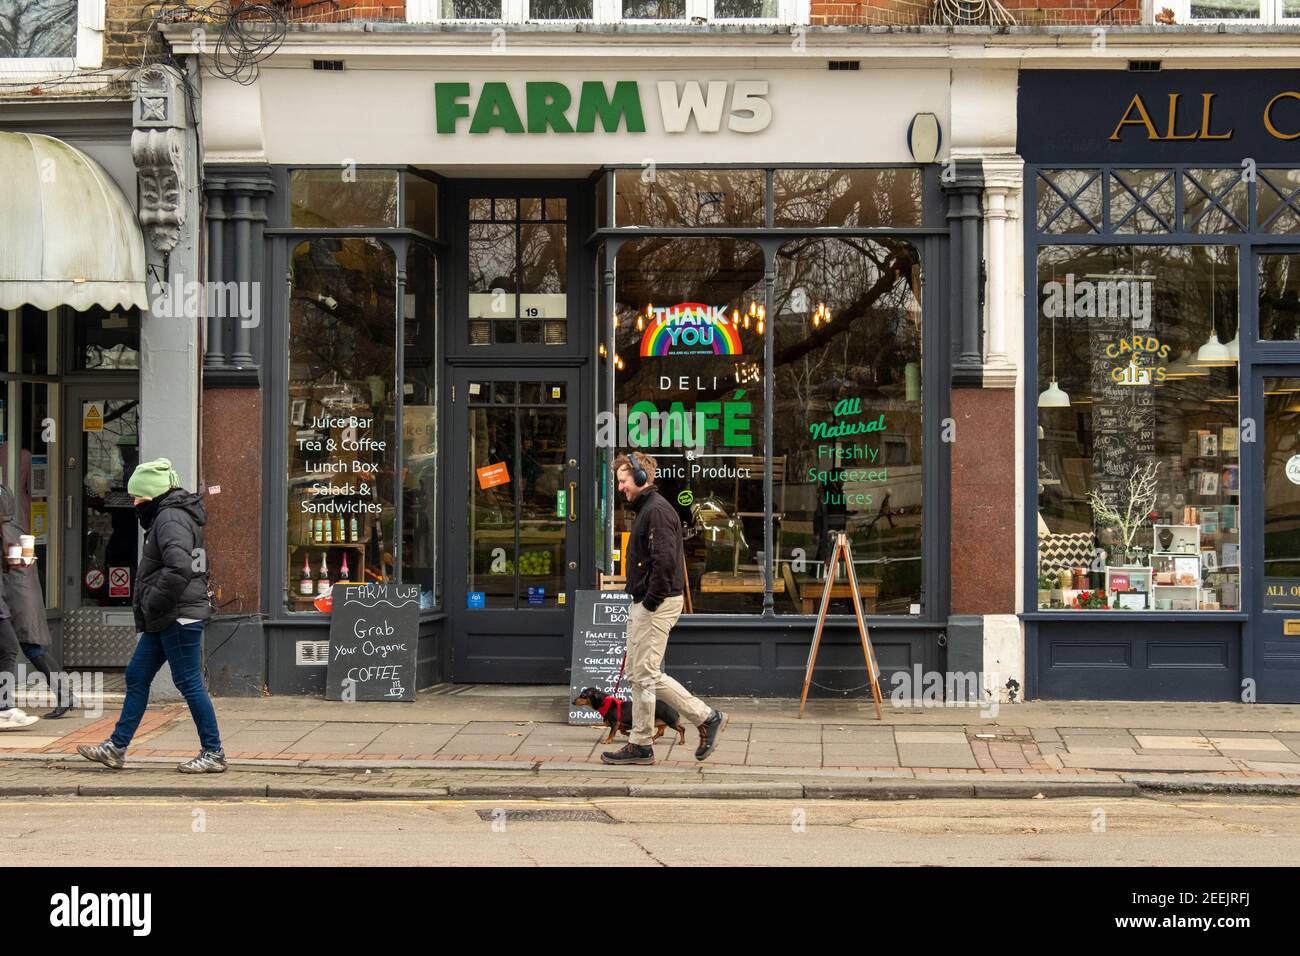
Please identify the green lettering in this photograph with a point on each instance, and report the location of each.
(546, 105)
(624, 104)
(707, 414)
(736, 424)
(496, 110)
(448, 108)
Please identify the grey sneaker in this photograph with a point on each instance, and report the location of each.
(104, 753)
(710, 731)
(208, 761)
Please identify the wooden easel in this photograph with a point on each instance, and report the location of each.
(873, 671)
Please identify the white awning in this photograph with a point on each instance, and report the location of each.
(67, 234)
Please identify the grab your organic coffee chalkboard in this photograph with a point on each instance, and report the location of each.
(373, 638)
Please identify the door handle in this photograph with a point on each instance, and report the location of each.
(67, 511)
(573, 494)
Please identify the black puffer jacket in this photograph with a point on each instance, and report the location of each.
(654, 551)
(166, 585)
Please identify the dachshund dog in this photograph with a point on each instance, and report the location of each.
(665, 716)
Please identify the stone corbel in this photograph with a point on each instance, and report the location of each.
(159, 156)
(158, 150)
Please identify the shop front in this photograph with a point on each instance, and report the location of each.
(83, 309)
(1162, 469)
(488, 280)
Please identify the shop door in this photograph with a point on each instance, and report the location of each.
(1275, 625)
(514, 514)
(99, 527)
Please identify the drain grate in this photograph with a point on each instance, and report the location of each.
(545, 816)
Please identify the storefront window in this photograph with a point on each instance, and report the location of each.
(1277, 200)
(855, 198)
(744, 9)
(1279, 297)
(342, 420)
(689, 198)
(420, 426)
(1139, 501)
(342, 197)
(420, 204)
(106, 341)
(847, 422)
(688, 389)
(471, 9)
(518, 271)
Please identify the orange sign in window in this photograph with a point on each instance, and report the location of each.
(489, 476)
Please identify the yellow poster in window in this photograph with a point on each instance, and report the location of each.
(40, 515)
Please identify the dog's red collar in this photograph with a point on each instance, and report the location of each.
(612, 702)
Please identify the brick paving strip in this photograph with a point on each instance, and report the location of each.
(471, 749)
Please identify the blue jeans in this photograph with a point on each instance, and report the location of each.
(181, 646)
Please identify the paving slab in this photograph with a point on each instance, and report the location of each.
(929, 737)
(1185, 762)
(1249, 743)
(1171, 742)
(1274, 766)
(481, 744)
(936, 756)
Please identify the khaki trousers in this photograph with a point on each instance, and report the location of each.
(647, 639)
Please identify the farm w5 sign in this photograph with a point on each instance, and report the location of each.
(549, 106)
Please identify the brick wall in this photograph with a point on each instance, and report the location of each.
(126, 24)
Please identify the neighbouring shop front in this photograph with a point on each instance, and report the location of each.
(475, 308)
(1163, 449)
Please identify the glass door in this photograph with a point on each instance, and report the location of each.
(98, 521)
(1276, 625)
(515, 516)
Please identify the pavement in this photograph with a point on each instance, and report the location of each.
(495, 741)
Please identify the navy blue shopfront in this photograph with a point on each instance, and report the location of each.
(1162, 277)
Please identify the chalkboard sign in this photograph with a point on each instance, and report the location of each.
(599, 637)
(373, 637)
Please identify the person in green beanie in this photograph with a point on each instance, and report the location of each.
(171, 603)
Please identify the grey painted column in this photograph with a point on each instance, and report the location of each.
(241, 353)
(216, 351)
(164, 147)
(965, 221)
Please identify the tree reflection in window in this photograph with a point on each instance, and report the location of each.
(848, 358)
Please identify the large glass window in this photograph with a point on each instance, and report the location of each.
(847, 422)
(847, 197)
(518, 271)
(420, 425)
(688, 389)
(1139, 502)
(344, 197)
(688, 197)
(342, 418)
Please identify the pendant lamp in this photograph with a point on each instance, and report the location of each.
(1052, 396)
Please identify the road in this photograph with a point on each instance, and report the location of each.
(1142, 831)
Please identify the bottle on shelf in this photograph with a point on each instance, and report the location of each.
(355, 532)
(343, 571)
(317, 531)
(306, 586)
(338, 530)
(323, 582)
(329, 530)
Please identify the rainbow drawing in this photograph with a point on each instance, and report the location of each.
(691, 328)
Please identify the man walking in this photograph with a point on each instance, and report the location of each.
(171, 606)
(654, 579)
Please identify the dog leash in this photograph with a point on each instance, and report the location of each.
(613, 700)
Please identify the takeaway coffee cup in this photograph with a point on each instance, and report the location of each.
(28, 545)
(15, 552)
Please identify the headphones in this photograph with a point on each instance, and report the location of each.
(639, 476)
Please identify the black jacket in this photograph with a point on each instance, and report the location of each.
(166, 585)
(654, 551)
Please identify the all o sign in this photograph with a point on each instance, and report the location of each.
(1293, 470)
